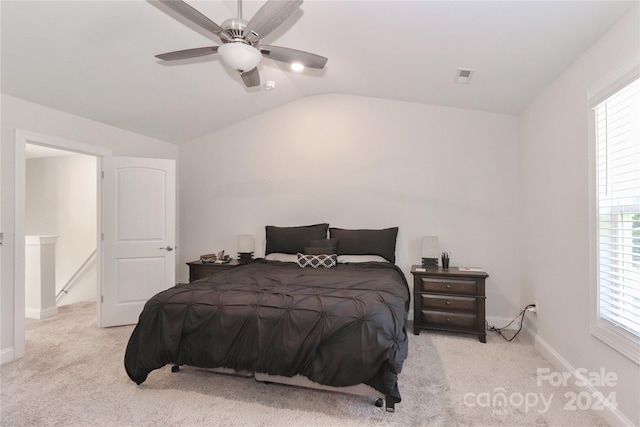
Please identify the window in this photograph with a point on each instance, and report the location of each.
(616, 131)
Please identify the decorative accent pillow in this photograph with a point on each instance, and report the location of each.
(315, 261)
(367, 242)
(291, 240)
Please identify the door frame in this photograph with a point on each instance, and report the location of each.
(23, 137)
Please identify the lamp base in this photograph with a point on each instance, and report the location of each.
(429, 262)
(245, 256)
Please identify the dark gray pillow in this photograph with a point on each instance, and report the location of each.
(367, 242)
(330, 245)
(291, 240)
(315, 250)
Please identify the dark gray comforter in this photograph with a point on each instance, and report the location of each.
(339, 326)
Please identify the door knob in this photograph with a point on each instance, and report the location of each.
(168, 248)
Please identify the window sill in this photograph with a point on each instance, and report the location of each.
(618, 339)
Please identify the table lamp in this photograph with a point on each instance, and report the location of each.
(245, 247)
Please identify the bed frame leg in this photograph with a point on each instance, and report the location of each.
(388, 404)
(175, 368)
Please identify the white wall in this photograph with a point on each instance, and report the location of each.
(555, 213)
(61, 200)
(359, 162)
(20, 114)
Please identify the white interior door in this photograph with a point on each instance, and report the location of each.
(138, 226)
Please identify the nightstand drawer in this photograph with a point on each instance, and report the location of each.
(449, 320)
(436, 302)
(447, 286)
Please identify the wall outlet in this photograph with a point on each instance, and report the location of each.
(535, 309)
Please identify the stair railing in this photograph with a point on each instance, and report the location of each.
(65, 288)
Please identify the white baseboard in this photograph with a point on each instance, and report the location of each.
(7, 355)
(33, 313)
(612, 416)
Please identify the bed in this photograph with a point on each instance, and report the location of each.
(332, 319)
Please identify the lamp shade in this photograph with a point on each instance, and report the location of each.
(245, 243)
(430, 247)
(240, 56)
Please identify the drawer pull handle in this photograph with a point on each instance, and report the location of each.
(448, 302)
(448, 286)
(448, 320)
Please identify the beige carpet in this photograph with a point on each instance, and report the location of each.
(73, 375)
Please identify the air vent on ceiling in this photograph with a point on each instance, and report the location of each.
(463, 75)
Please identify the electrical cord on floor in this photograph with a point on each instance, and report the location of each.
(518, 317)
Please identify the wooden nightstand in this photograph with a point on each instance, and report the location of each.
(449, 300)
(199, 269)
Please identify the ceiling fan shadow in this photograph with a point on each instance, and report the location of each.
(186, 61)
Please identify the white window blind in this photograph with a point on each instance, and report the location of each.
(617, 131)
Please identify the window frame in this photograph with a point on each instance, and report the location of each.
(616, 337)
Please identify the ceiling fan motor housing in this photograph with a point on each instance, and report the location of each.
(235, 28)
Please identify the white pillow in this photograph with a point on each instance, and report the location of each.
(360, 258)
(276, 256)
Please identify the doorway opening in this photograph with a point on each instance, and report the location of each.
(61, 229)
(22, 138)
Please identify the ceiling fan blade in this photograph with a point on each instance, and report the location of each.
(290, 56)
(269, 17)
(196, 17)
(251, 78)
(188, 53)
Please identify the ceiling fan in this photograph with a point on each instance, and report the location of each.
(241, 48)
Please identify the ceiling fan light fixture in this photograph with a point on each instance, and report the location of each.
(240, 56)
(296, 66)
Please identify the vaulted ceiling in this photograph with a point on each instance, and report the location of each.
(96, 59)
